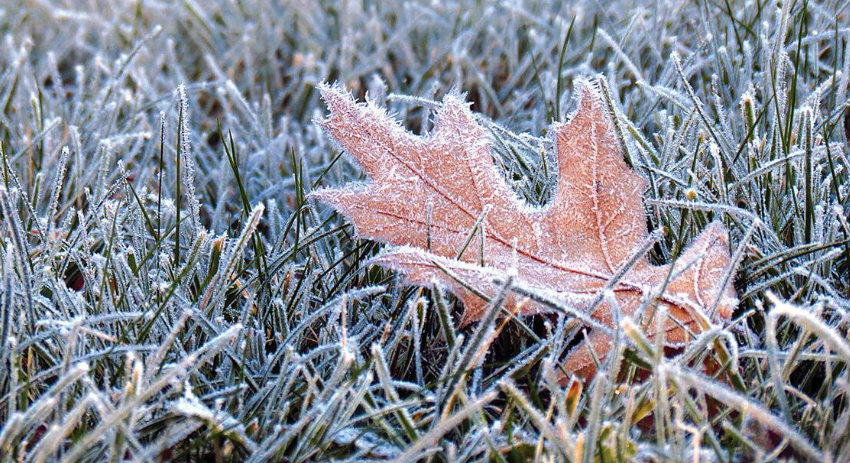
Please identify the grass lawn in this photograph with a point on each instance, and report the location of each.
(170, 290)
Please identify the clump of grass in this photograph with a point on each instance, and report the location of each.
(169, 292)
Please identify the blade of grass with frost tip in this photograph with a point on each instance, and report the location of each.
(142, 210)
(522, 366)
(24, 198)
(808, 140)
(187, 268)
(808, 321)
(215, 292)
(58, 182)
(546, 103)
(835, 180)
(154, 363)
(305, 323)
(327, 168)
(698, 105)
(559, 84)
(539, 296)
(382, 369)
(188, 178)
(20, 253)
(106, 265)
(432, 436)
(178, 196)
(595, 415)
(360, 253)
(417, 310)
(5, 164)
(472, 231)
(480, 340)
(292, 252)
(233, 160)
(445, 316)
(746, 405)
(159, 175)
(6, 306)
(484, 297)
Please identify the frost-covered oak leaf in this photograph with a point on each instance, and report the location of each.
(427, 193)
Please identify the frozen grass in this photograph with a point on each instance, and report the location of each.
(169, 292)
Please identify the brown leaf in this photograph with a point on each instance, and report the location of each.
(442, 184)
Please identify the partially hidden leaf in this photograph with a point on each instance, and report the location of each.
(427, 193)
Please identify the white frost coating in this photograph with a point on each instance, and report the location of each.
(186, 154)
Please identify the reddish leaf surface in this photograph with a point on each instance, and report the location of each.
(431, 191)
